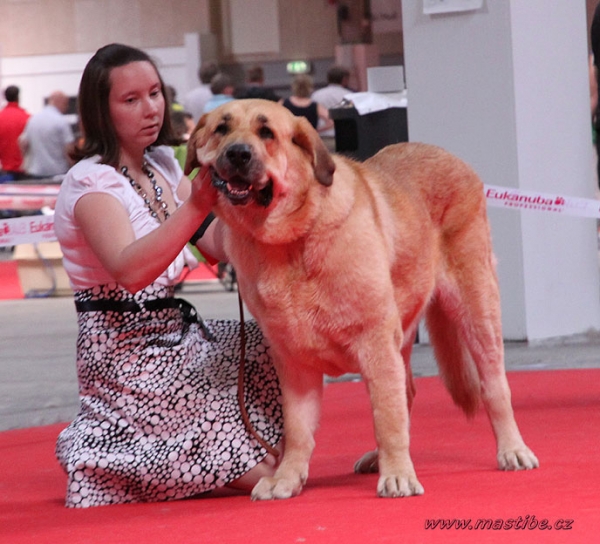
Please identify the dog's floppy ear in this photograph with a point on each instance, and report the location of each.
(191, 160)
(306, 137)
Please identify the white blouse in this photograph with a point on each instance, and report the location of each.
(89, 176)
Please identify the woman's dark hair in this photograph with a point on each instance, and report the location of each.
(99, 135)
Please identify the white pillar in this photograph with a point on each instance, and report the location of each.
(505, 87)
(191, 45)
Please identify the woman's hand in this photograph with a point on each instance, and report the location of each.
(204, 195)
(203, 192)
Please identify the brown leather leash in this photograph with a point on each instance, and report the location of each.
(240, 391)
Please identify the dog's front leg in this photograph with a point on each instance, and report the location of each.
(302, 393)
(387, 390)
(369, 462)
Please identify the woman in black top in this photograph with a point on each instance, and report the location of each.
(301, 104)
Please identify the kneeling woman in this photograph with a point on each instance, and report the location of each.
(159, 417)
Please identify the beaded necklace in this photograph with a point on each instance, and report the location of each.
(158, 204)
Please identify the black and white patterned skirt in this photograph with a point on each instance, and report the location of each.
(159, 417)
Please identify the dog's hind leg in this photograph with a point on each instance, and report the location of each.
(465, 326)
(406, 352)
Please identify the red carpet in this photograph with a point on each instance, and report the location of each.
(10, 286)
(558, 412)
(203, 272)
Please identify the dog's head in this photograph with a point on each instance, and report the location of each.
(265, 162)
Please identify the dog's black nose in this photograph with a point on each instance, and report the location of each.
(239, 155)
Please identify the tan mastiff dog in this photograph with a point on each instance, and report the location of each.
(338, 261)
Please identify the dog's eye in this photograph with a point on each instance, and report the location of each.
(222, 129)
(266, 133)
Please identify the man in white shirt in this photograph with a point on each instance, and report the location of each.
(197, 98)
(48, 138)
(331, 96)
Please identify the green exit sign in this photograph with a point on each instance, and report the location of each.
(298, 67)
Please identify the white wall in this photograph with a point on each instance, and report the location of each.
(254, 30)
(506, 88)
(38, 76)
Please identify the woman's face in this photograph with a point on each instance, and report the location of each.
(136, 104)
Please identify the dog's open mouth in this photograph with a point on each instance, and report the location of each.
(240, 191)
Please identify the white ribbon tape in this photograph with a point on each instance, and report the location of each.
(505, 197)
(40, 228)
(27, 230)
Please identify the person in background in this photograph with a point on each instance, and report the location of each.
(183, 125)
(172, 98)
(331, 96)
(13, 119)
(196, 99)
(48, 138)
(593, 95)
(221, 87)
(159, 416)
(300, 103)
(595, 42)
(255, 86)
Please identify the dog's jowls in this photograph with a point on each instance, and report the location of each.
(338, 261)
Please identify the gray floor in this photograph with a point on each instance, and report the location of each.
(38, 384)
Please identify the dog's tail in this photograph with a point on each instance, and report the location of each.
(457, 368)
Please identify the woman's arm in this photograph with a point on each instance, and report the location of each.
(211, 241)
(133, 263)
(324, 116)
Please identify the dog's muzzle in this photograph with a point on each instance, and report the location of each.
(240, 177)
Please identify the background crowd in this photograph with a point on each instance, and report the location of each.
(39, 146)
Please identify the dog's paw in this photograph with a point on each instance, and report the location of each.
(368, 463)
(517, 459)
(399, 486)
(269, 488)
